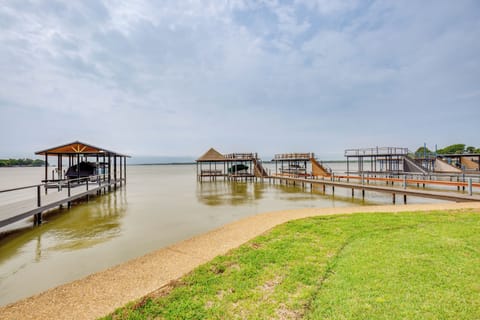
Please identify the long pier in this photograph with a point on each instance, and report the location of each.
(394, 191)
(35, 206)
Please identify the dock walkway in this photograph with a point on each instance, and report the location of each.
(19, 210)
(439, 195)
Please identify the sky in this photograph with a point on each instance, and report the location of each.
(174, 78)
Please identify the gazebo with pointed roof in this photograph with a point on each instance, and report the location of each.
(211, 155)
(78, 151)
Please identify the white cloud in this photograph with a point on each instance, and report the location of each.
(192, 69)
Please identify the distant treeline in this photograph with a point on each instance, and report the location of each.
(458, 148)
(21, 163)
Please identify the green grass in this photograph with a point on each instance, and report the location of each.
(363, 266)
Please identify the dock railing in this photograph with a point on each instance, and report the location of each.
(13, 195)
(293, 156)
(241, 156)
(378, 151)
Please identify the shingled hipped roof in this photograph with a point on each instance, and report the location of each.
(211, 155)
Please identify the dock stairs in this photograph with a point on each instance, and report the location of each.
(318, 169)
(259, 169)
(410, 165)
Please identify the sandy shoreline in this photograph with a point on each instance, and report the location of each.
(101, 293)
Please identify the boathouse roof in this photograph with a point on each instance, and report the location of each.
(78, 147)
(211, 155)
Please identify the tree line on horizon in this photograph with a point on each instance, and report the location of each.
(458, 148)
(21, 162)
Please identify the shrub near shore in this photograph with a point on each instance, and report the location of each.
(362, 266)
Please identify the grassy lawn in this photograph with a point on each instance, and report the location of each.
(362, 266)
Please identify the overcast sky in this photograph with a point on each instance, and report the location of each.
(173, 78)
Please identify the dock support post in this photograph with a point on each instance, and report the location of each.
(470, 189)
(109, 172)
(37, 219)
(121, 175)
(68, 193)
(39, 202)
(46, 173)
(404, 199)
(353, 193)
(363, 193)
(115, 172)
(393, 198)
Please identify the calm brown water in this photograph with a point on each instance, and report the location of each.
(160, 205)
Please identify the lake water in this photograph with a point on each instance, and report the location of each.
(160, 205)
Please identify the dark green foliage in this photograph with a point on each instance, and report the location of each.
(452, 149)
(422, 151)
(21, 163)
(471, 149)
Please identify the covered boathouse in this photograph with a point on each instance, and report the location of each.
(89, 170)
(234, 166)
(84, 161)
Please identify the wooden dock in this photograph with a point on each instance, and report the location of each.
(82, 179)
(393, 191)
(35, 206)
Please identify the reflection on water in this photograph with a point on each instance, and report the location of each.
(82, 227)
(229, 192)
(91, 224)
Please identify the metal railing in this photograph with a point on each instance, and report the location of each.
(293, 156)
(241, 156)
(378, 151)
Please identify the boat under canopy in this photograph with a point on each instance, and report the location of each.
(237, 168)
(82, 170)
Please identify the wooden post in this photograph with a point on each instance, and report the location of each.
(39, 202)
(393, 198)
(103, 164)
(121, 175)
(109, 171)
(78, 167)
(88, 195)
(405, 199)
(46, 172)
(125, 169)
(115, 171)
(68, 193)
(363, 193)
